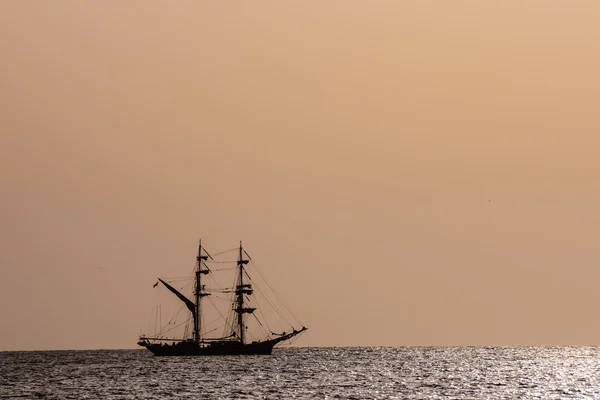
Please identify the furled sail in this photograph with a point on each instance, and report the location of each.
(190, 304)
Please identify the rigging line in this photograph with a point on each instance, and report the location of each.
(216, 281)
(273, 306)
(193, 272)
(261, 325)
(222, 295)
(179, 288)
(230, 322)
(172, 280)
(216, 308)
(155, 319)
(220, 291)
(219, 295)
(221, 262)
(156, 302)
(225, 251)
(173, 319)
(221, 299)
(276, 295)
(294, 339)
(213, 321)
(206, 266)
(212, 330)
(263, 317)
(230, 316)
(174, 327)
(207, 253)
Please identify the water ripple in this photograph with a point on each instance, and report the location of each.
(308, 373)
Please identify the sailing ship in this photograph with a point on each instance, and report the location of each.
(235, 339)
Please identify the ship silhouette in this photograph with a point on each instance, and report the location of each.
(235, 340)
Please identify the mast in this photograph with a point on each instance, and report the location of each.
(198, 293)
(240, 290)
(240, 296)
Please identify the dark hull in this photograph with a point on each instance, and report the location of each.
(213, 349)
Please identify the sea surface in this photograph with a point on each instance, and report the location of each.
(308, 373)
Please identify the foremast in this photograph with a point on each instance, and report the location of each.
(197, 335)
(242, 289)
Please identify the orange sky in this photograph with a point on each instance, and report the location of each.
(406, 173)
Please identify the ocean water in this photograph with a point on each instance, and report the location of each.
(308, 373)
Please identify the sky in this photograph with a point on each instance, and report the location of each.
(406, 173)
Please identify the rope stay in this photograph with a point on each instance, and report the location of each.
(274, 291)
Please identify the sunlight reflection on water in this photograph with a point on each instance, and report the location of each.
(320, 373)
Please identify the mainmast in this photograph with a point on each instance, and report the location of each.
(198, 293)
(240, 290)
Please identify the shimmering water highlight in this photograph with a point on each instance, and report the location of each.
(308, 373)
